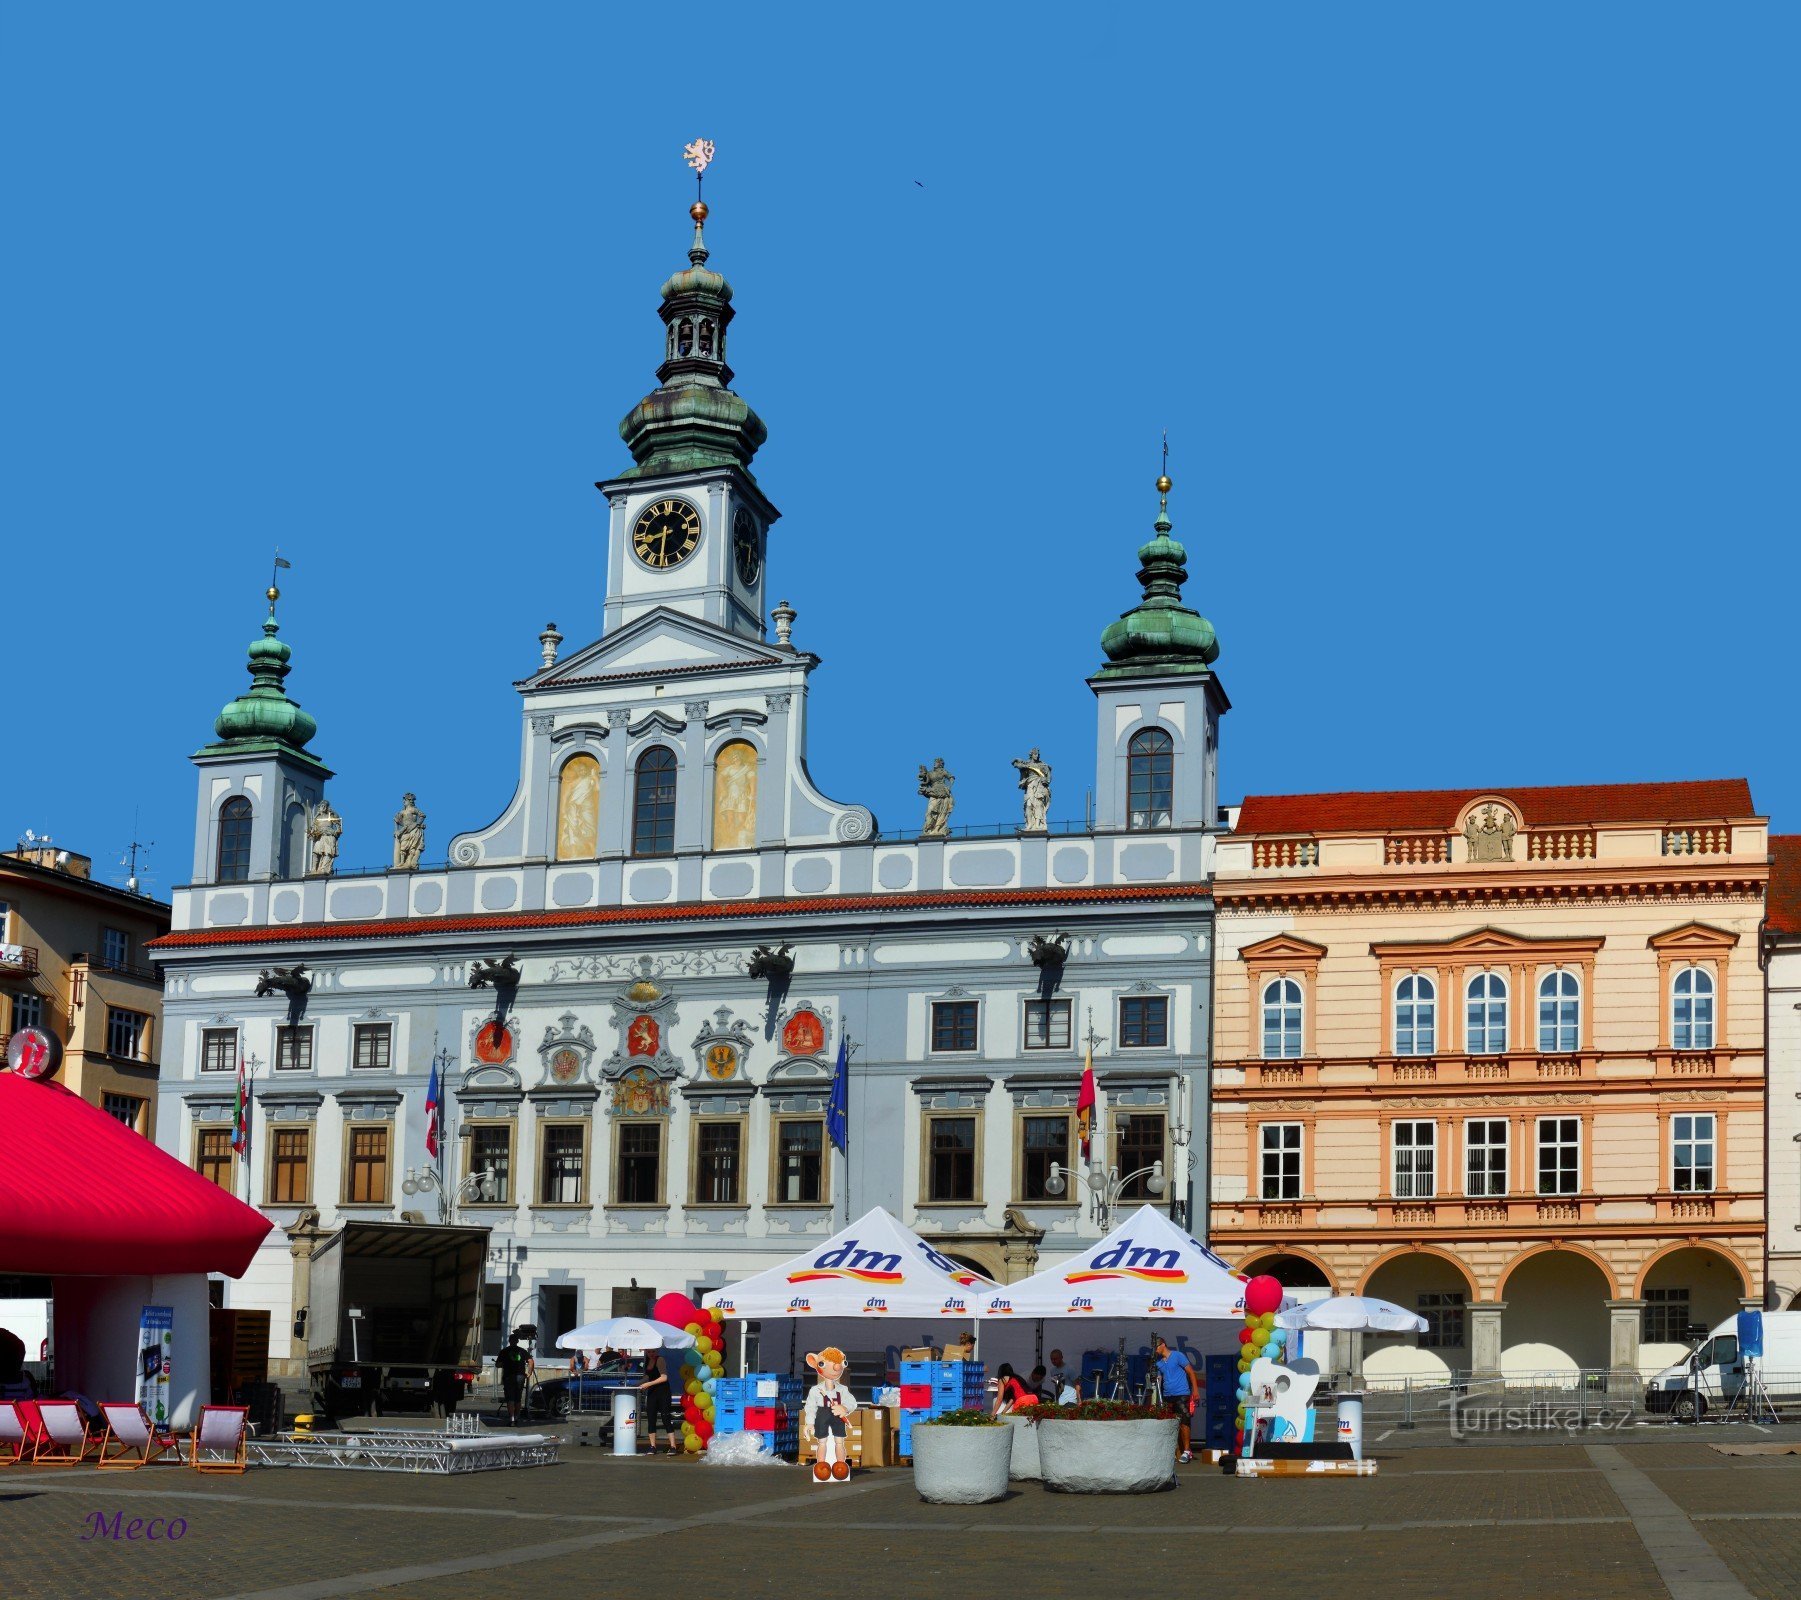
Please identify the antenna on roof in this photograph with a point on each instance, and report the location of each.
(130, 859)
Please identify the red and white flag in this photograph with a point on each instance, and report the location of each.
(240, 1119)
(433, 1114)
(1085, 1104)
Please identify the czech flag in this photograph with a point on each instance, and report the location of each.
(433, 1114)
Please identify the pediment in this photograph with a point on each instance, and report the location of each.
(658, 643)
(1487, 942)
(1693, 936)
(1283, 947)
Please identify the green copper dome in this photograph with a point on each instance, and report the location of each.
(264, 712)
(693, 420)
(1160, 634)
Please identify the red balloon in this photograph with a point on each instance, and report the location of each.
(1245, 1335)
(1261, 1295)
(677, 1310)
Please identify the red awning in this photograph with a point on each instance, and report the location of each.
(81, 1194)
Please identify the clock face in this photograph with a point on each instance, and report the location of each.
(666, 533)
(744, 547)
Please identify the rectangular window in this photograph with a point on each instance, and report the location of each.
(293, 1049)
(1666, 1318)
(28, 1011)
(1559, 1155)
(951, 1158)
(491, 1162)
(560, 1146)
(1043, 1141)
(366, 1174)
(1485, 1157)
(1140, 1149)
(1416, 1144)
(953, 1025)
(212, 1155)
(372, 1045)
(1444, 1320)
(124, 1107)
(1048, 1024)
(290, 1166)
(639, 1173)
(1144, 1022)
(1281, 1175)
(1692, 1145)
(799, 1161)
(219, 1050)
(115, 948)
(125, 1033)
(718, 1163)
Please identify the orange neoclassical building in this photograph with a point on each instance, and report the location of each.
(1497, 1056)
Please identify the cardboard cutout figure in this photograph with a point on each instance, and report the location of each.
(1284, 1394)
(827, 1407)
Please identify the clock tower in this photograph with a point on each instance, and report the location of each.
(687, 524)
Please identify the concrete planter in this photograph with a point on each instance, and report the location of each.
(961, 1466)
(1025, 1465)
(1108, 1457)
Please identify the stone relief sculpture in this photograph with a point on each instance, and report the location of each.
(495, 972)
(323, 829)
(1035, 785)
(291, 981)
(1491, 837)
(409, 833)
(935, 787)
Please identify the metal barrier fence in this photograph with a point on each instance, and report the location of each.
(1587, 1397)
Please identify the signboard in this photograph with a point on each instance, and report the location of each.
(33, 1053)
(156, 1341)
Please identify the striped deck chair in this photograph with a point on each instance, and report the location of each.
(129, 1440)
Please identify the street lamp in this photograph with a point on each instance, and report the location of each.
(482, 1186)
(1105, 1185)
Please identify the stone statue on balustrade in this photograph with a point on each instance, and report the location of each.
(409, 834)
(324, 828)
(1035, 785)
(935, 788)
(1491, 838)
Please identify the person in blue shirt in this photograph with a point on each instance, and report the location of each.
(1176, 1370)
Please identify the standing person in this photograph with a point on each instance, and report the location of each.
(657, 1407)
(1176, 1369)
(516, 1370)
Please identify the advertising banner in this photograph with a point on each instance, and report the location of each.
(156, 1339)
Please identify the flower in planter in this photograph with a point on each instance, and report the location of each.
(1102, 1411)
(962, 1419)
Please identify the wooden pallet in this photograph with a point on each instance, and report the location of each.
(1256, 1467)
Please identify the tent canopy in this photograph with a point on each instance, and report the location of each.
(1147, 1267)
(875, 1267)
(82, 1195)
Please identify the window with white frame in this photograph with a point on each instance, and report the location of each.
(1485, 1157)
(1485, 1019)
(125, 1033)
(1691, 1015)
(1559, 1012)
(28, 1011)
(1415, 1146)
(954, 1025)
(294, 1049)
(1559, 1155)
(218, 1049)
(1281, 1019)
(1144, 1022)
(1416, 1016)
(1048, 1024)
(1692, 1153)
(1281, 1167)
(115, 948)
(372, 1045)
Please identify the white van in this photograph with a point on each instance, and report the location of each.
(1710, 1379)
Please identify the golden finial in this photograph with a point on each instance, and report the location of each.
(273, 594)
(698, 211)
(1164, 485)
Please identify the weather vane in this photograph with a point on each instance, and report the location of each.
(275, 577)
(698, 155)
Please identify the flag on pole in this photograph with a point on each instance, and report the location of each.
(837, 1111)
(1085, 1103)
(240, 1119)
(433, 1114)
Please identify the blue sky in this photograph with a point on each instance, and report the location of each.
(1474, 331)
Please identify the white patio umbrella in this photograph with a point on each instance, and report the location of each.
(625, 1333)
(1352, 1313)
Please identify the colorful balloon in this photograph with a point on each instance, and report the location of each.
(1263, 1294)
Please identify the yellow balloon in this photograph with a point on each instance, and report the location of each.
(1267, 1320)
(692, 1327)
(703, 1344)
(693, 1445)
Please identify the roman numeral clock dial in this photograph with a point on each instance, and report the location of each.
(666, 533)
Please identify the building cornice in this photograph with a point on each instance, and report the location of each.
(1396, 890)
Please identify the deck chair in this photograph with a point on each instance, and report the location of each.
(64, 1439)
(221, 1442)
(129, 1440)
(12, 1433)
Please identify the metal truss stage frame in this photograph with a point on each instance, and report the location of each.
(405, 1450)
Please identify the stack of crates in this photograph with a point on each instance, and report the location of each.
(931, 1388)
(1220, 1420)
(761, 1402)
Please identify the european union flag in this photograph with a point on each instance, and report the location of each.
(837, 1111)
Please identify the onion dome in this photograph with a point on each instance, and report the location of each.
(263, 716)
(693, 420)
(1160, 634)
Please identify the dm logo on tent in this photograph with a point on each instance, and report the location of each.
(954, 1307)
(1081, 1302)
(800, 1303)
(1123, 1261)
(875, 1303)
(1000, 1308)
(944, 1264)
(1163, 1304)
(723, 1308)
(847, 1261)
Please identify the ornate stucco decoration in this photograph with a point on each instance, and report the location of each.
(721, 1048)
(566, 1050)
(642, 1017)
(804, 1030)
(1489, 830)
(678, 964)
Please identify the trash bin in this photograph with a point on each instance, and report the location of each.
(625, 1422)
(1350, 1423)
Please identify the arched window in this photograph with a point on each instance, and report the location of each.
(1281, 1019)
(706, 337)
(1150, 778)
(294, 851)
(684, 339)
(653, 803)
(735, 796)
(1486, 1032)
(1416, 1016)
(234, 841)
(1692, 1015)
(1559, 1012)
(578, 809)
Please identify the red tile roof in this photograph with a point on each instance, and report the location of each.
(691, 911)
(1380, 811)
(1783, 908)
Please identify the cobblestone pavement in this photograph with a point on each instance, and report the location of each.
(1618, 1516)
